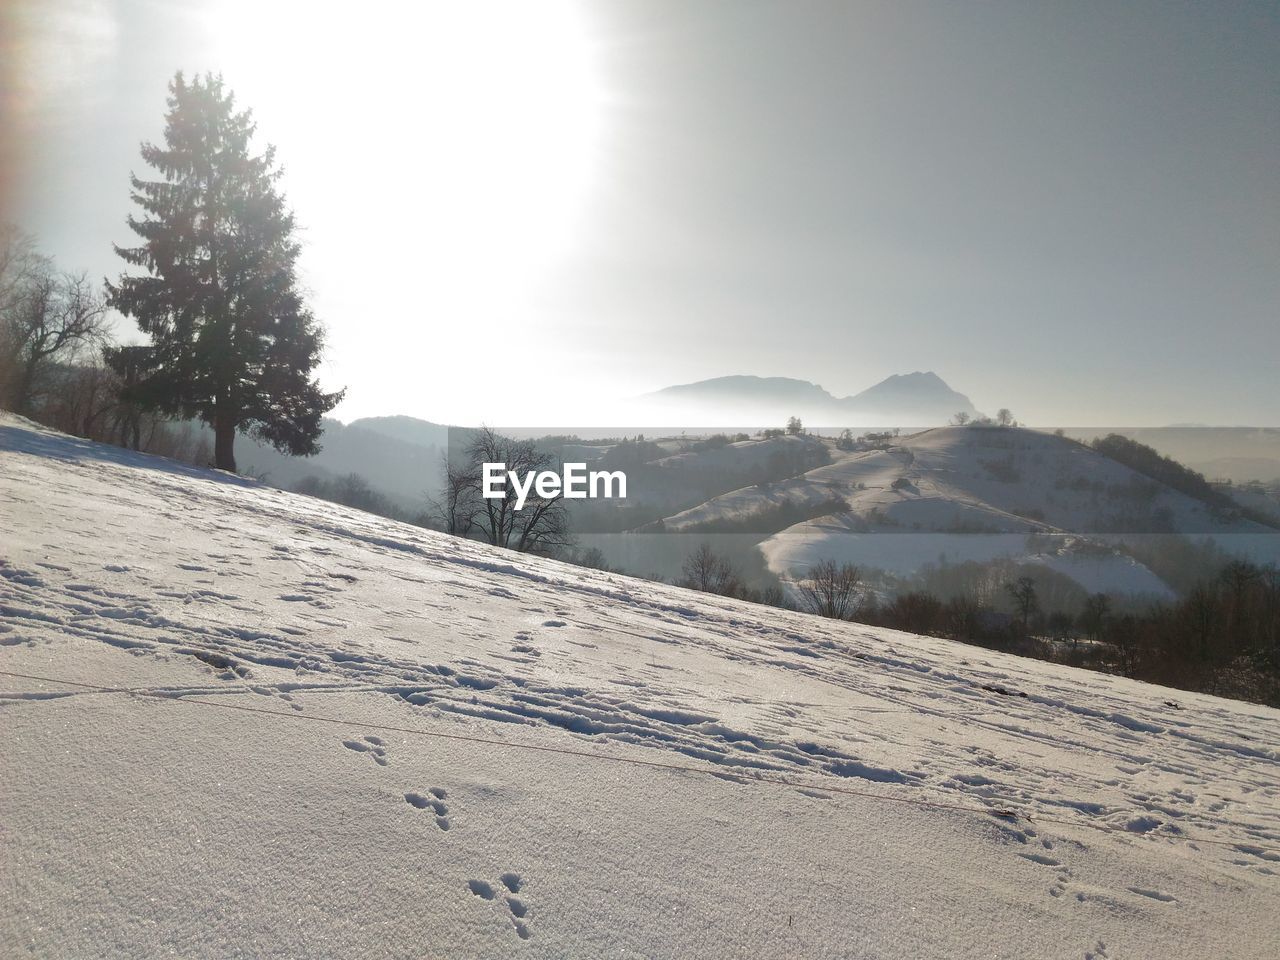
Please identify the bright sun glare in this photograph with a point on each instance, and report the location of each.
(451, 144)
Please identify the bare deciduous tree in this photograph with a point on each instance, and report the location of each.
(594, 558)
(87, 399)
(459, 504)
(1025, 602)
(542, 526)
(832, 590)
(1093, 618)
(706, 570)
(963, 615)
(917, 611)
(46, 318)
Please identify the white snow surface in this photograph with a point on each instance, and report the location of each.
(275, 727)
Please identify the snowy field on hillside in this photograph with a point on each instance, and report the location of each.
(241, 722)
(793, 551)
(874, 469)
(1006, 480)
(974, 494)
(742, 455)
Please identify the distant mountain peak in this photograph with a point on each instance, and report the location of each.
(746, 381)
(919, 390)
(918, 398)
(916, 376)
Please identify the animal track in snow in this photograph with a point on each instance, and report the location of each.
(1041, 859)
(376, 747)
(524, 645)
(433, 801)
(516, 906)
(231, 669)
(1027, 836)
(1154, 894)
(269, 691)
(1059, 886)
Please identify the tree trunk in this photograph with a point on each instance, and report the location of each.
(224, 438)
(26, 382)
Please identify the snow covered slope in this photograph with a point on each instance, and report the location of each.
(240, 722)
(972, 493)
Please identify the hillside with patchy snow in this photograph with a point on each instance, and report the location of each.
(242, 722)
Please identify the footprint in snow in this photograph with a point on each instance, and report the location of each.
(270, 691)
(524, 644)
(1028, 836)
(433, 800)
(376, 747)
(1041, 859)
(509, 884)
(1154, 894)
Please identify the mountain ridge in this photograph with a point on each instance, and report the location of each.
(919, 397)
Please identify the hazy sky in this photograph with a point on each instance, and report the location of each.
(523, 211)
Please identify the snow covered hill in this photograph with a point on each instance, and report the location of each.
(975, 493)
(241, 722)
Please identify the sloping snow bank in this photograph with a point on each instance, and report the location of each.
(274, 727)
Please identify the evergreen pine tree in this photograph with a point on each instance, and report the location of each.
(232, 341)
